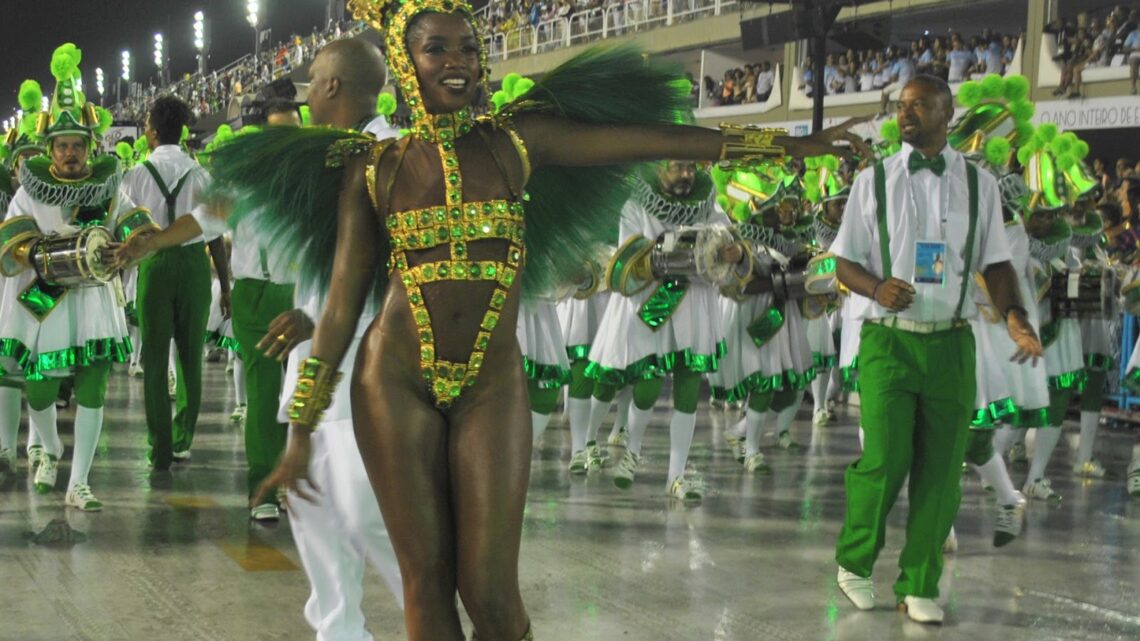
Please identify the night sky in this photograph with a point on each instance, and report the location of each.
(102, 29)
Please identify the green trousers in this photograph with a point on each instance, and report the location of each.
(916, 400)
(256, 303)
(173, 303)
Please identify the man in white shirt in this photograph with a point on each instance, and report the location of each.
(916, 228)
(902, 70)
(960, 62)
(174, 284)
(764, 82)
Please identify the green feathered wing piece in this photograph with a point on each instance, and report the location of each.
(572, 211)
(279, 179)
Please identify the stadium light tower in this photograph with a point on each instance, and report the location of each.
(99, 83)
(200, 40)
(160, 57)
(252, 8)
(124, 75)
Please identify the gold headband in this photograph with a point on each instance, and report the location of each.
(391, 19)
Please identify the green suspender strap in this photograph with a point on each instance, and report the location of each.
(170, 196)
(881, 206)
(967, 270)
(884, 232)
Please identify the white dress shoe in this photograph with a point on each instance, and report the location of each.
(922, 610)
(860, 591)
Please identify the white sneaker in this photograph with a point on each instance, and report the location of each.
(756, 463)
(860, 591)
(950, 545)
(784, 440)
(80, 496)
(135, 371)
(621, 439)
(684, 489)
(1134, 480)
(181, 456)
(265, 512)
(238, 415)
(1040, 489)
(45, 474)
(7, 463)
(922, 610)
(1090, 469)
(738, 445)
(1018, 455)
(821, 417)
(626, 470)
(595, 460)
(1008, 521)
(35, 457)
(578, 462)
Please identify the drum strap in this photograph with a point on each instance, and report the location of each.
(170, 196)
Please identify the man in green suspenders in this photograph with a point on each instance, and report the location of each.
(915, 230)
(174, 284)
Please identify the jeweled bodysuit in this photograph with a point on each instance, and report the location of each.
(454, 224)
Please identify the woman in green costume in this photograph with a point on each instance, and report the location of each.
(448, 449)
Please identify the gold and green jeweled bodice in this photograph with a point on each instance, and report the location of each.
(454, 225)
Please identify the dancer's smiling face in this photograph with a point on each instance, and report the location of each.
(445, 52)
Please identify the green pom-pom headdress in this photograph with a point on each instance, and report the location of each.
(996, 108)
(126, 153)
(822, 180)
(71, 114)
(23, 137)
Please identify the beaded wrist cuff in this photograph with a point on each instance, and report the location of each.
(316, 383)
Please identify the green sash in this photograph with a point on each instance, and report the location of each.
(661, 305)
(762, 329)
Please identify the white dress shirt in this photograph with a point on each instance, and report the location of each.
(922, 207)
(172, 164)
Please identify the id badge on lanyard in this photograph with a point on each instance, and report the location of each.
(930, 262)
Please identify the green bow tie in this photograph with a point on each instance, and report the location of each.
(917, 162)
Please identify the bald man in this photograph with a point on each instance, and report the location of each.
(342, 526)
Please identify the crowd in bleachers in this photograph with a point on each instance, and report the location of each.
(225, 89)
(1090, 40)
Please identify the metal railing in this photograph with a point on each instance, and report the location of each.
(599, 24)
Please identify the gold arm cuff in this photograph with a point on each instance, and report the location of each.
(316, 383)
(747, 144)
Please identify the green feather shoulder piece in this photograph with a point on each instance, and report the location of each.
(286, 181)
(571, 211)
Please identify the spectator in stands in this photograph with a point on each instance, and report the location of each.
(1123, 169)
(1101, 173)
(959, 62)
(993, 58)
(1009, 50)
(866, 77)
(1071, 73)
(728, 88)
(765, 80)
(1131, 49)
(902, 70)
(829, 74)
(749, 93)
(808, 84)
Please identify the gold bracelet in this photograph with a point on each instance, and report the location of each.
(746, 144)
(316, 382)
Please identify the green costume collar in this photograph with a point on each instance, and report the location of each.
(99, 187)
(697, 207)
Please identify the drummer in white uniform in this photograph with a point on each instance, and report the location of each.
(55, 324)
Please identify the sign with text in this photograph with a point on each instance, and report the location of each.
(1091, 113)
